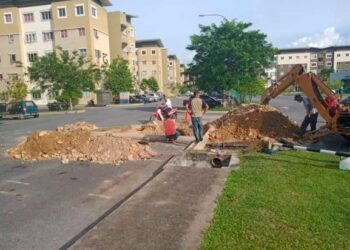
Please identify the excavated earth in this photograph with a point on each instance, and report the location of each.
(250, 124)
(79, 142)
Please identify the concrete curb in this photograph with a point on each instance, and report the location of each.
(125, 105)
(61, 112)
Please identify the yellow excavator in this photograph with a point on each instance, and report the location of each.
(335, 113)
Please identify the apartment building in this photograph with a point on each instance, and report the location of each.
(122, 39)
(174, 70)
(313, 59)
(152, 60)
(29, 29)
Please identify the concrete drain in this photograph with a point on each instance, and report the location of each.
(205, 159)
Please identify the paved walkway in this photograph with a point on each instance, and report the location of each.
(169, 213)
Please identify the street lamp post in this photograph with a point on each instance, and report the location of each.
(218, 15)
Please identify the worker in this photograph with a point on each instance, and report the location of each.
(170, 129)
(311, 114)
(197, 108)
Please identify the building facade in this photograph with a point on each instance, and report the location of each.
(174, 71)
(31, 29)
(122, 40)
(152, 60)
(313, 59)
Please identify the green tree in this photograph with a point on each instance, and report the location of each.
(16, 91)
(150, 84)
(68, 74)
(187, 88)
(253, 87)
(335, 85)
(325, 74)
(228, 55)
(118, 77)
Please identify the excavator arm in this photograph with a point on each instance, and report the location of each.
(311, 86)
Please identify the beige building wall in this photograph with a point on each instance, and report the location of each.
(342, 60)
(122, 40)
(174, 71)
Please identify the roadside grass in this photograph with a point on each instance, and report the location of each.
(291, 200)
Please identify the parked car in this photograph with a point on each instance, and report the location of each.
(156, 97)
(135, 99)
(21, 110)
(58, 106)
(147, 98)
(211, 101)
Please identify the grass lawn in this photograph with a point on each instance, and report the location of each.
(290, 200)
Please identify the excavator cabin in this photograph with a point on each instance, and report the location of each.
(328, 104)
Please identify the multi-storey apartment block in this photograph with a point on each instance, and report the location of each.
(29, 29)
(314, 59)
(152, 61)
(122, 39)
(174, 71)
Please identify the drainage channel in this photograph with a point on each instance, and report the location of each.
(115, 207)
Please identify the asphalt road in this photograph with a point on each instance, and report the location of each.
(43, 204)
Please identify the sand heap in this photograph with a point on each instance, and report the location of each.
(78, 142)
(252, 123)
(157, 128)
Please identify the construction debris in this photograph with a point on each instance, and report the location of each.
(78, 142)
(251, 123)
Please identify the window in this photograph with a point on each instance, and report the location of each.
(153, 52)
(97, 54)
(154, 72)
(36, 94)
(82, 52)
(48, 36)
(328, 55)
(154, 62)
(290, 57)
(8, 18)
(144, 62)
(81, 31)
(32, 57)
(171, 63)
(314, 64)
(347, 54)
(28, 17)
(12, 58)
(298, 57)
(338, 55)
(64, 33)
(11, 38)
(46, 15)
(282, 57)
(96, 33)
(143, 52)
(30, 37)
(305, 57)
(79, 10)
(1, 77)
(93, 11)
(329, 63)
(61, 12)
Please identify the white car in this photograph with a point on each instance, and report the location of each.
(155, 97)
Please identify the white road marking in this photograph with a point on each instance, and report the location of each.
(100, 196)
(18, 182)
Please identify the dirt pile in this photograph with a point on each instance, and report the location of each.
(157, 128)
(78, 142)
(252, 123)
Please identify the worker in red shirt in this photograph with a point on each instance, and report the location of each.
(170, 129)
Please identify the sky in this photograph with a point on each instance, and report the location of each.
(287, 23)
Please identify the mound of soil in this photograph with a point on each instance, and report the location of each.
(157, 128)
(78, 142)
(252, 123)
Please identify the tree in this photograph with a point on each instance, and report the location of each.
(66, 74)
(228, 55)
(253, 87)
(187, 88)
(118, 77)
(335, 85)
(16, 91)
(325, 74)
(150, 84)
